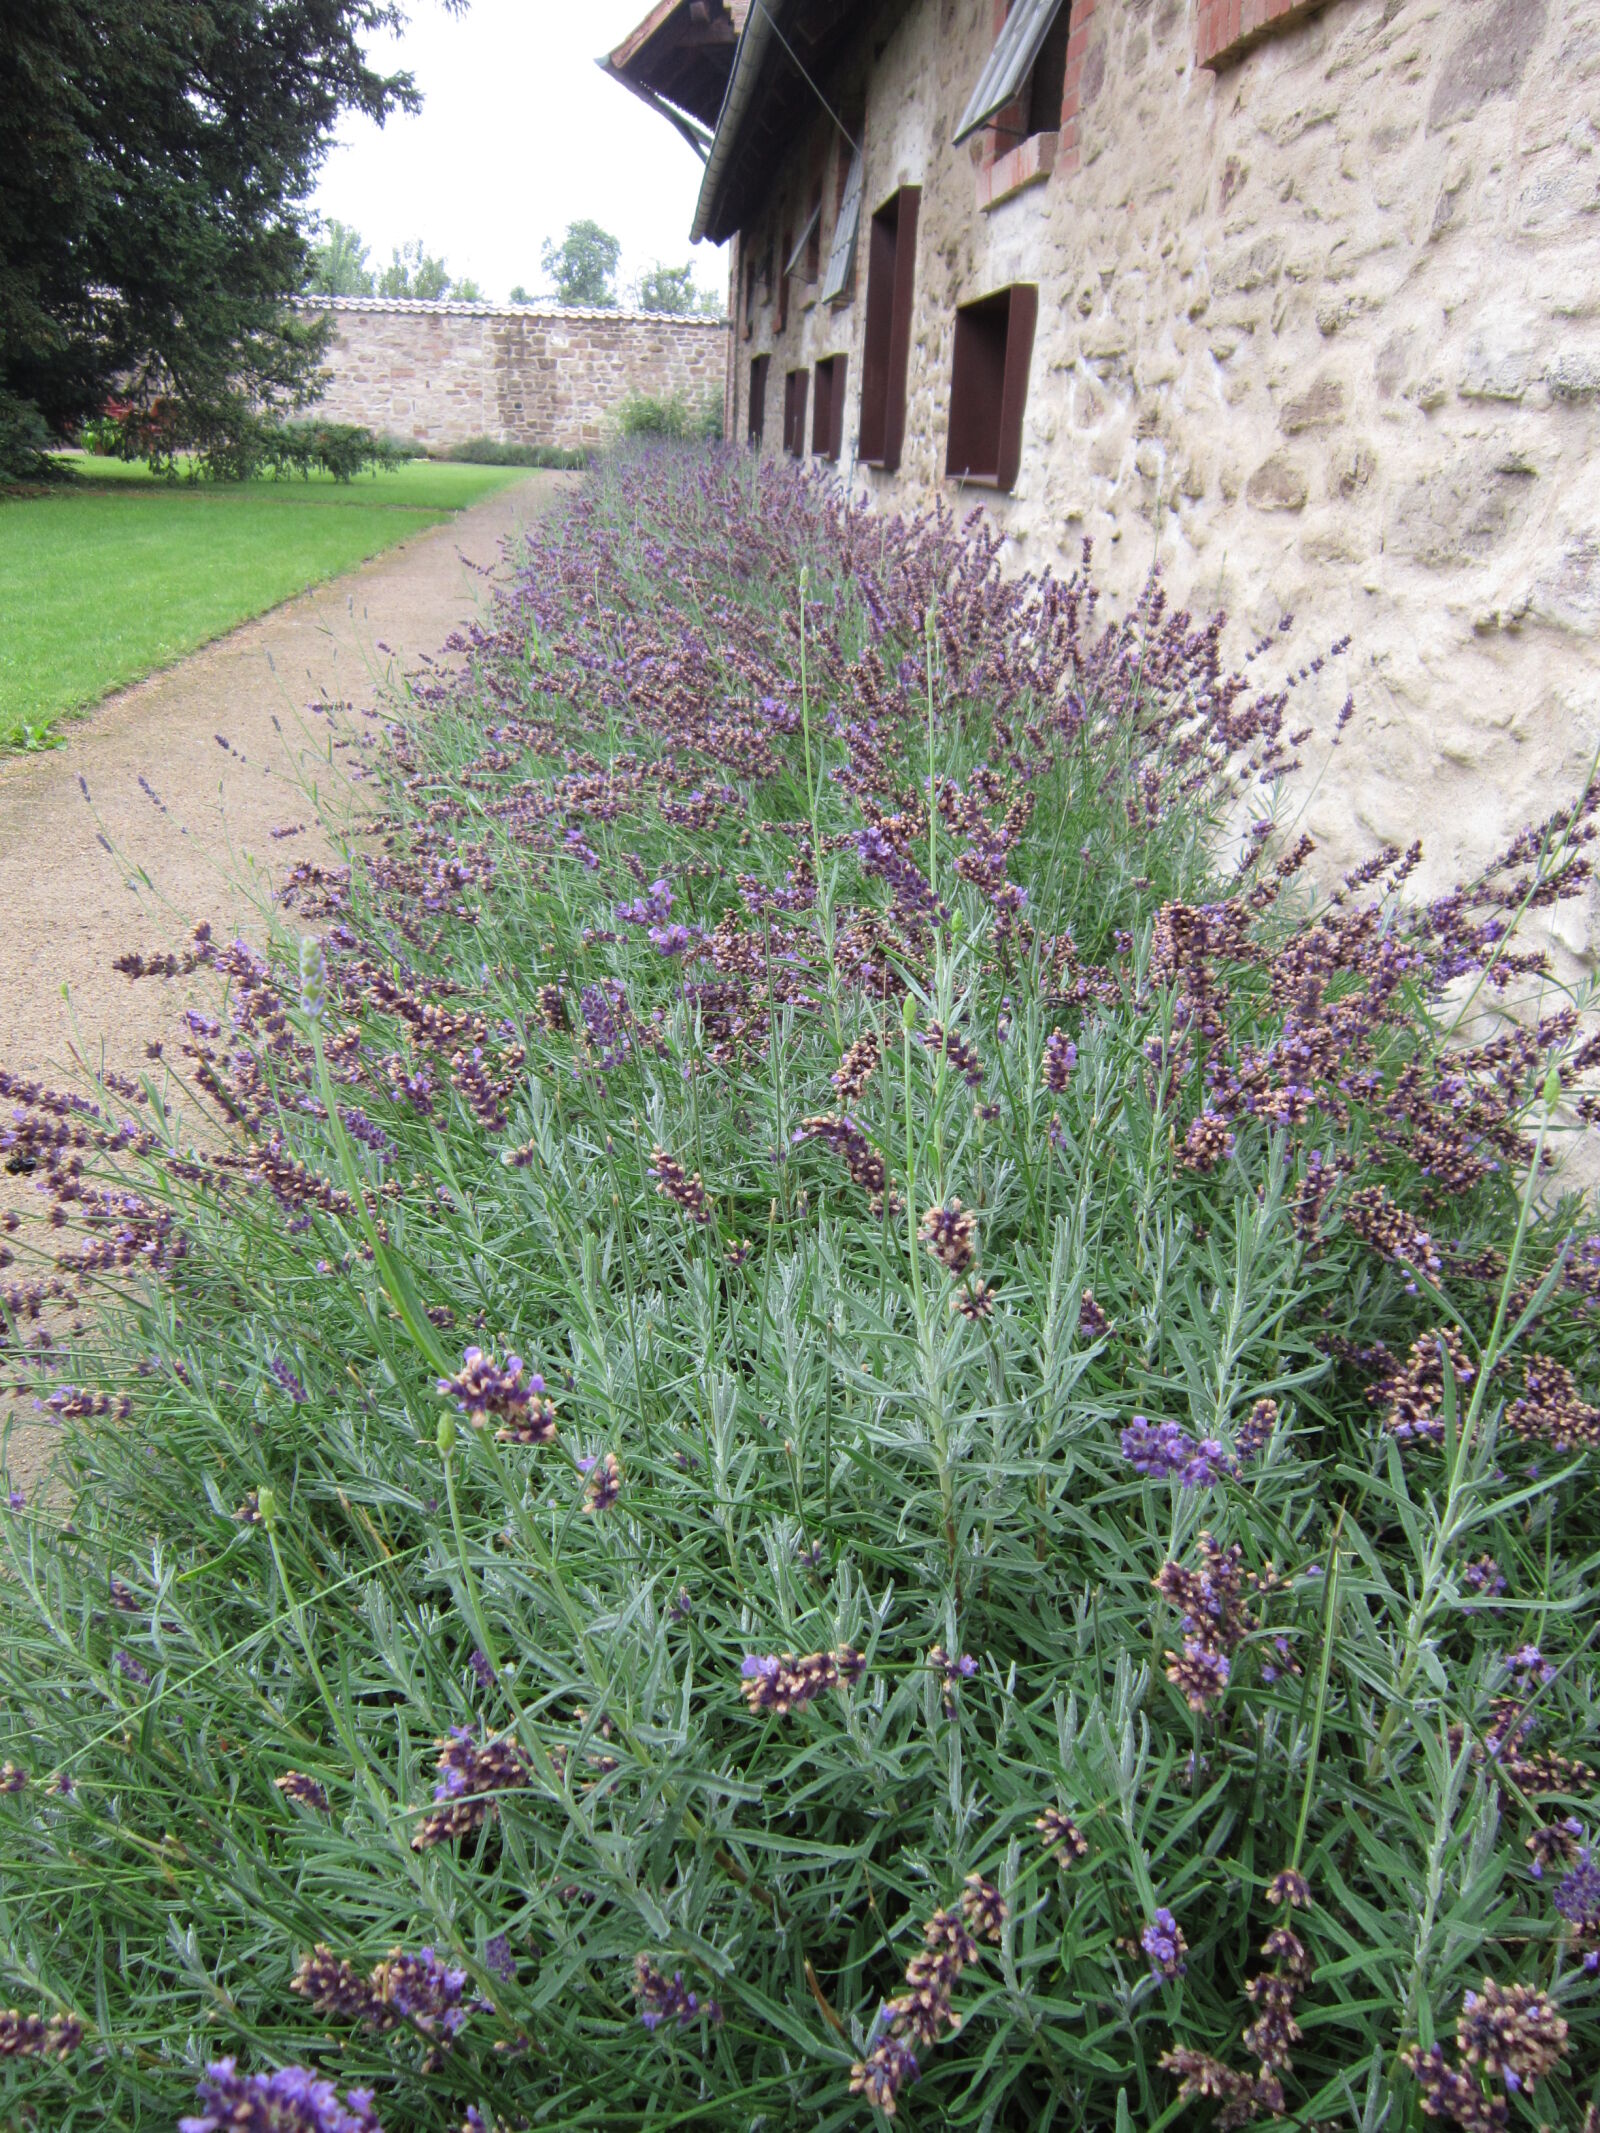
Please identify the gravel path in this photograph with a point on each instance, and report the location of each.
(176, 826)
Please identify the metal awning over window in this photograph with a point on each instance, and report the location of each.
(799, 252)
(1015, 50)
(842, 258)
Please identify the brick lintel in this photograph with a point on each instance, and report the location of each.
(1228, 29)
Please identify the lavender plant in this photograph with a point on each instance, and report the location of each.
(845, 1418)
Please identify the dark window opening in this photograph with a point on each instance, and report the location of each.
(750, 296)
(1022, 88)
(827, 408)
(757, 423)
(784, 250)
(989, 386)
(794, 412)
(814, 241)
(886, 347)
(1047, 84)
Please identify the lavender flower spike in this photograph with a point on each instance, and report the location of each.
(292, 2100)
(1163, 1941)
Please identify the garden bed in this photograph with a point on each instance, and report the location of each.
(809, 1455)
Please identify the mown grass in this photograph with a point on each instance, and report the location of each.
(115, 573)
(653, 1049)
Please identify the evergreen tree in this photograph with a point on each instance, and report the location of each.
(156, 157)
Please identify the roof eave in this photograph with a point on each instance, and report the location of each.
(755, 42)
(698, 136)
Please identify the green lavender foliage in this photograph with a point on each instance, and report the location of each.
(816, 1450)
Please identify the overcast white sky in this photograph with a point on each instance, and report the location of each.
(519, 134)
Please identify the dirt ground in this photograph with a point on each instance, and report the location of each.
(157, 811)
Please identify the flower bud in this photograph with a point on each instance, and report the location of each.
(267, 1505)
(1552, 1087)
(908, 1014)
(445, 1435)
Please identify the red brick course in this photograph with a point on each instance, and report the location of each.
(1226, 29)
(1004, 173)
(1077, 45)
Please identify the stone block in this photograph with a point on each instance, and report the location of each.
(1278, 484)
(1319, 407)
(1488, 60)
(1574, 374)
(1459, 513)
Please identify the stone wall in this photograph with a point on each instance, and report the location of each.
(1319, 330)
(441, 373)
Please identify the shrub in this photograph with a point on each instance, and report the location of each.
(263, 446)
(25, 442)
(496, 452)
(671, 419)
(823, 1375)
(101, 436)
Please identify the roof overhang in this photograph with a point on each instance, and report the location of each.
(678, 61)
(787, 52)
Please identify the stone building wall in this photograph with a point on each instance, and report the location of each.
(1319, 330)
(442, 373)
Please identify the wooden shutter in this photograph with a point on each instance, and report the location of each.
(1015, 50)
(989, 387)
(886, 347)
(757, 420)
(842, 255)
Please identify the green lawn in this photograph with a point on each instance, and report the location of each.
(113, 574)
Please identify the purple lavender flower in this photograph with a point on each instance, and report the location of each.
(483, 1672)
(371, 1135)
(497, 1956)
(604, 1012)
(671, 940)
(662, 1999)
(131, 1669)
(16, 1500)
(914, 902)
(1206, 1465)
(605, 1482)
(1156, 1450)
(1577, 1895)
(484, 1389)
(1163, 1941)
(282, 1375)
(652, 909)
(1530, 1666)
(291, 2100)
(1484, 1575)
(1060, 1058)
(1162, 1451)
(426, 1991)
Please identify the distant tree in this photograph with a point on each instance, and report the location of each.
(583, 267)
(519, 295)
(414, 271)
(466, 291)
(664, 288)
(339, 263)
(157, 158)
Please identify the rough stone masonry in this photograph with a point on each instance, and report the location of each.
(442, 373)
(1319, 329)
